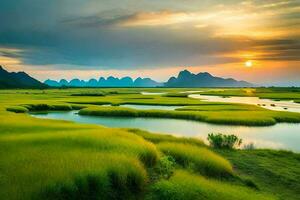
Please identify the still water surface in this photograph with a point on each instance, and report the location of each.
(265, 103)
(279, 136)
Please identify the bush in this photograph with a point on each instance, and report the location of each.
(165, 167)
(221, 141)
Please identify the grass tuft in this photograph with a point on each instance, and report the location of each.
(186, 186)
(119, 180)
(199, 159)
(157, 138)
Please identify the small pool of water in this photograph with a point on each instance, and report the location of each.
(265, 103)
(279, 136)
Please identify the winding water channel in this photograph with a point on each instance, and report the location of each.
(280, 136)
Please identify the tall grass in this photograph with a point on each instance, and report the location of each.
(157, 138)
(271, 170)
(186, 186)
(42, 159)
(121, 178)
(198, 159)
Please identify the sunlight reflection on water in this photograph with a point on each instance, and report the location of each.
(265, 103)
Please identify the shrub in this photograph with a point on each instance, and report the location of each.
(165, 167)
(223, 141)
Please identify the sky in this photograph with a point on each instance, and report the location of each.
(252, 40)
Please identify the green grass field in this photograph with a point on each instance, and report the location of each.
(53, 159)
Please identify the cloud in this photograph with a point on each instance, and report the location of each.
(101, 35)
(158, 18)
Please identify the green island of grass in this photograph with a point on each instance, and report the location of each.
(233, 117)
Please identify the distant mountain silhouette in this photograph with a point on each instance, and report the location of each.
(204, 79)
(102, 82)
(184, 79)
(18, 80)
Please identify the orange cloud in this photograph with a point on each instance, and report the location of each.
(158, 18)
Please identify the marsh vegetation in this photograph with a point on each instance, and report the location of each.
(56, 159)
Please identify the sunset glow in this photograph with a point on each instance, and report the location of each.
(153, 37)
(248, 63)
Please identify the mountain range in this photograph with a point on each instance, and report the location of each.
(102, 82)
(184, 79)
(11, 80)
(203, 79)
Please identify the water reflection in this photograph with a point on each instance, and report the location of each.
(265, 103)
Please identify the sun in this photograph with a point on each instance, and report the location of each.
(248, 63)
